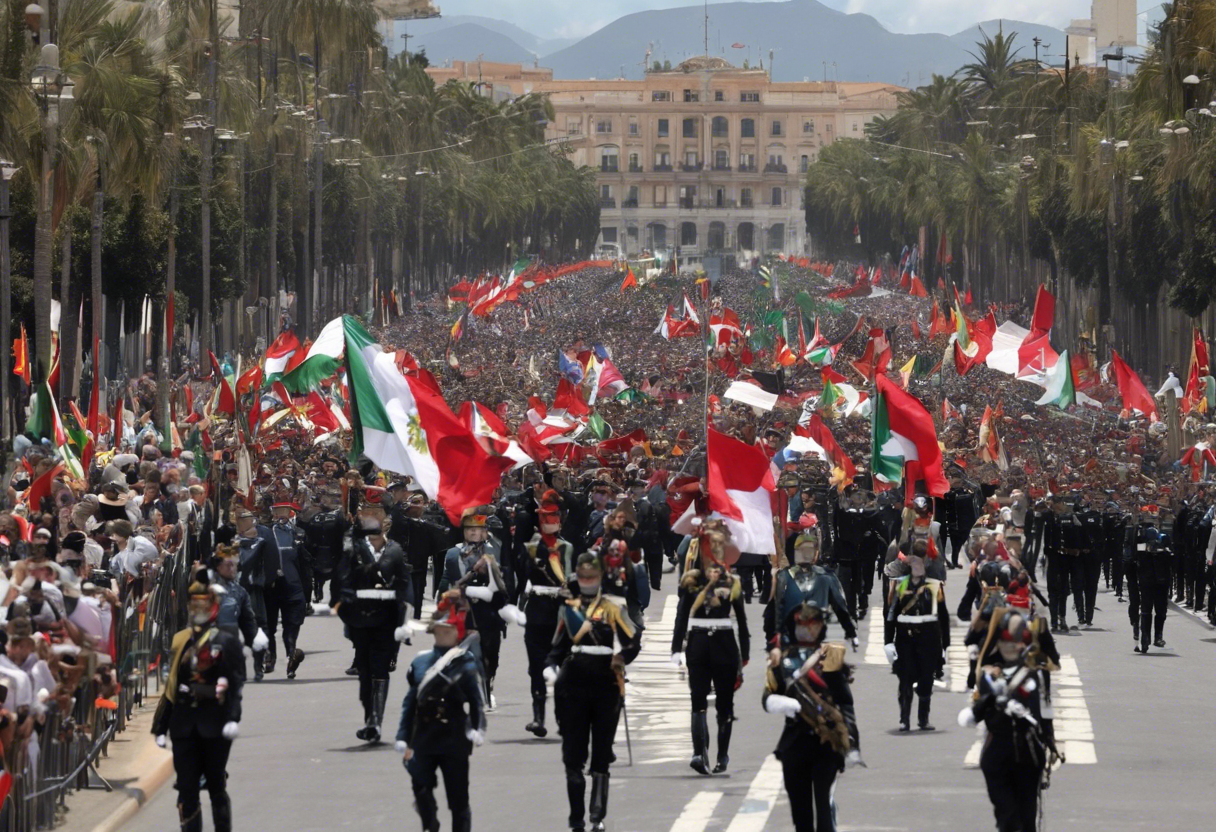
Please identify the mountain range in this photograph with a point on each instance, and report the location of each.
(807, 39)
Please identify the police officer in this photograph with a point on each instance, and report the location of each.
(1154, 557)
(419, 537)
(548, 560)
(1093, 550)
(962, 509)
(236, 611)
(859, 540)
(286, 598)
(326, 530)
(259, 564)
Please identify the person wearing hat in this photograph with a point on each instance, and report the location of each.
(625, 581)
(200, 525)
(258, 568)
(200, 708)
(131, 551)
(704, 639)
(547, 560)
(286, 597)
(588, 673)
(374, 598)
(807, 683)
(418, 537)
(962, 509)
(114, 503)
(1154, 557)
(443, 718)
(916, 635)
(805, 578)
(236, 610)
(326, 531)
(1011, 698)
(861, 539)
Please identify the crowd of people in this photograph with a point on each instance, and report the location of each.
(277, 524)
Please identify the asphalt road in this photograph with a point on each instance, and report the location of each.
(1138, 732)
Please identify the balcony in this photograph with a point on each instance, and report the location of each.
(688, 203)
(629, 203)
(607, 168)
(661, 169)
(747, 168)
(607, 202)
(773, 167)
(694, 167)
(721, 167)
(635, 169)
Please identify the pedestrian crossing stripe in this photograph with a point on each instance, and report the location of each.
(698, 813)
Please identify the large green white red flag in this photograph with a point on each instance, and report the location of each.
(904, 437)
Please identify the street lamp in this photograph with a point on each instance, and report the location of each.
(7, 171)
(53, 89)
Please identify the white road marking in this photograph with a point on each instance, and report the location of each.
(874, 651)
(1073, 726)
(698, 813)
(656, 697)
(760, 799)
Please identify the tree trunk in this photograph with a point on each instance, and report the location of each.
(43, 256)
(69, 318)
(165, 374)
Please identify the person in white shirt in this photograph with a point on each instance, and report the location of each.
(133, 551)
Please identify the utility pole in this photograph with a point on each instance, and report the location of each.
(204, 181)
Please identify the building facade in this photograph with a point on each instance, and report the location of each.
(707, 156)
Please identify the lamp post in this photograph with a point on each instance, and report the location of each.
(7, 171)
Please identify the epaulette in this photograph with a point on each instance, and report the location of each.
(833, 656)
(690, 579)
(736, 588)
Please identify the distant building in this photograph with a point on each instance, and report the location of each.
(706, 156)
(498, 81)
(1111, 24)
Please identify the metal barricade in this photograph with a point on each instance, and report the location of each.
(69, 745)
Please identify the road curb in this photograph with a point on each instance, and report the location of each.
(138, 793)
(1201, 620)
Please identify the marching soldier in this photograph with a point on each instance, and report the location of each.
(326, 530)
(916, 636)
(806, 579)
(547, 561)
(287, 597)
(436, 732)
(1154, 555)
(259, 563)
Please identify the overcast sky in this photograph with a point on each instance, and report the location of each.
(563, 18)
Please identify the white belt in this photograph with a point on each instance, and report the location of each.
(592, 649)
(549, 591)
(710, 623)
(1141, 547)
(917, 619)
(377, 594)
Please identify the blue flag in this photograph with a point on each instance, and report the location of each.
(569, 369)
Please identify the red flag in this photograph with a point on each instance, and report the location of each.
(801, 336)
(817, 430)
(118, 423)
(967, 300)
(629, 280)
(95, 397)
(249, 381)
(917, 289)
(962, 362)
(1044, 311)
(740, 485)
(570, 399)
(915, 328)
(1132, 389)
(41, 487)
(828, 374)
(907, 418)
(21, 356)
(227, 401)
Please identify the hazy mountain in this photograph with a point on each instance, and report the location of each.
(466, 41)
(1051, 50)
(808, 39)
(435, 34)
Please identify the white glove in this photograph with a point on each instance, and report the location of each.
(550, 674)
(479, 593)
(966, 718)
(403, 634)
(973, 651)
(261, 641)
(231, 730)
(162, 740)
(945, 658)
(854, 642)
(889, 649)
(785, 706)
(475, 737)
(401, 747)
(512, 615)
(677, 659)
(853, 759)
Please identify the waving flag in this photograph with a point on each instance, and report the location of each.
(279, 354)
(991, 447)
(630, 279)
(569, 368)
(1131, 388)
(21, 356)
(1061, 387)
(323, 360)
(740, 485)
(225, 399)
(903, 436)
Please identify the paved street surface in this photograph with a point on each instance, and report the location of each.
(1137, 730)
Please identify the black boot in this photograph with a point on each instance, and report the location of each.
(379, 700)
(462, 820)
(537, 725)
(192, 821)
(258, 658)
(576, 792)
(599, 800)
(293, 664)
(905, 708)
(700, 743)
(221, 813)
(922, 714)
(724, 729)
(269, 660)
(427, 808)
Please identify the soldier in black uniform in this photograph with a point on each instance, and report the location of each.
(547, 561)
(326, 530)
(200, 709)
(916, 635)
(1154, 557)
(962, 509)
(709, 593)
(808, 684)
(259, 564)
(420, 538)
(1062, 560)
(286, 597)
(236, 611)
(577, 511)
(1037, 518)
(442, 719)
(1093, 551)
(593, 643)
(374, 597)
(1114, 535)
(860, 543)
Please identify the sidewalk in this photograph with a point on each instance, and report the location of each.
(135, 767)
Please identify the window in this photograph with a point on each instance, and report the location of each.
(808, 125)
(775, 159)
(609, 234)
(690, 128)
(574, 127)
(658, 233)
(719, 127)
(660, 196)
(633, 128)
(749, 97)
(603, 125)
(662, 160)
(776, 131)
(635, 163)
(747, 128)
(663, 128)
(854, 127)
(688, 234)
(608, 159)
(605, 192)
(804, 163)
(660, 95)
(745, 198)
(747, 161)
(719, 197)
(776, 196)
(691, 96)
(721, 159)
(631, 197)
(719, 95)
(691, 159)
(688, 196)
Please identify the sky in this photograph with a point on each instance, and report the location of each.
(566, 19)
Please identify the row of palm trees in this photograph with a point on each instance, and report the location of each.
(1100, 181)
(282, 153)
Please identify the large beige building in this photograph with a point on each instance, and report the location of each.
(706, 156)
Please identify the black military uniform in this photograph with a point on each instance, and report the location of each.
(421, 539)
(1154, 557)
(547, 561)
(860, 543)
(326, 531)
(1114, 536)
(200, 709)
(708, 596)
(916, 634)
(374, 594)
(259, 564)
(287, 597)
(1093, 551)
(962, 509)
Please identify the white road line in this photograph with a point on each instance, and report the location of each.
(874, 651)
(760, 799)
(1074, 729)
(657, 703)
(698, 813)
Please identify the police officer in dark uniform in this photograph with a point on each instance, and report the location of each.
(548, 561)
(259, 564)
(916, 635)
(419, 537)
(236, 611)
(1093, 550)
(287, 598)
(962, 509)
(1114, 536)
(326, 530)
(858, 540)
(1063, 539)
(374, 596)
(1036, 525)
(1154, 558)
